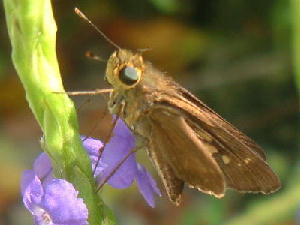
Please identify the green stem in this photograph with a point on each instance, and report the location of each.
(32, 31)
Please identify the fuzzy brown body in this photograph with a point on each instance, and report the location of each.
(186, 140)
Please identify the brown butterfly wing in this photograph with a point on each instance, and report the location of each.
(223, 123)
(243, 169)
(241, 160)
(182, 150)
(173, 184)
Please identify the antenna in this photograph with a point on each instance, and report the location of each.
(83, 16)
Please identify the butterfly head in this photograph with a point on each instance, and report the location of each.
(124, 69)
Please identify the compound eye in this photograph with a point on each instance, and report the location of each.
(129, 75)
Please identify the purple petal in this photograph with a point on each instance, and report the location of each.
(147, 185)
(92, 145)
(33, 193)
(123, 176)
(115, 151)
(47, 180)
(27, 178)
(42, 165)
(122, 130)
(63, 205)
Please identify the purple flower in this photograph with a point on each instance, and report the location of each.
(55, 201)
(120, 146)
(51, 201)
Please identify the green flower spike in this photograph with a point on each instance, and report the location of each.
(32, 31)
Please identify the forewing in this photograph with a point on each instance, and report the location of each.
(218, 121)
(243, 169)
(241, 160)
(184, 152)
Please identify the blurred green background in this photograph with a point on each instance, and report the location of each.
(240, 57)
